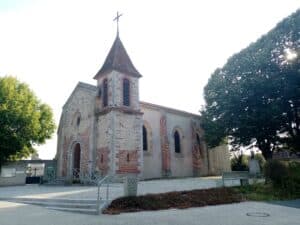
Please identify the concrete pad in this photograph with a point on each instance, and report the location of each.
(116, 189)
(234, 214)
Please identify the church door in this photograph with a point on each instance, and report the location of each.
(76, 161)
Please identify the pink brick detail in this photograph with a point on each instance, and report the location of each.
(102, 160)
(84, 158)
(65, 155)
(196, 151)
(128, 161)
(165, 150)
(197, 159)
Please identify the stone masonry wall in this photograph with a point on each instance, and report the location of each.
(76, 126)
(128, 145)
(165, 151)
(115, 90)
(103, 160)
(104, 144)
(162, 159)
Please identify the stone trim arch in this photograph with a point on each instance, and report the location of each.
(83, 141)
(198, 150)
(77, 115)
(199, 144)
(149, 138)
(71, 150)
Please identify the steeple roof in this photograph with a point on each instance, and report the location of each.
(118, 59)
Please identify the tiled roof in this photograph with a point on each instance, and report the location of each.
(118, 59)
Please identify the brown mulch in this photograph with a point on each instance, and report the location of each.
(176, 199)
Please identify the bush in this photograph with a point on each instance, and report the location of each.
(284, 175)
(293, 182)
(261, 161)
(276, 172)
(239, 163)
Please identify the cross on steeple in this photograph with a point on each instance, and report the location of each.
(117, 19)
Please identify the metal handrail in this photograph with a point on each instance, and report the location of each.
(99, 184)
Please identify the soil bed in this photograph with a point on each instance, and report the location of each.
(178, 199)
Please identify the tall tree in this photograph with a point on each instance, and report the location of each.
(256, 94)
(24, 120)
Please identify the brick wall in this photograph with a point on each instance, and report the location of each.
(127, 161)
(102, 160)
(76, 126)
(128, 143)
(64, 159)
(196, 151)
(165, 150)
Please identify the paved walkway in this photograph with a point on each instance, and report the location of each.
(116, 189)
(233, 214)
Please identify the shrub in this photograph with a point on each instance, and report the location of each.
(261, 161)
(239, 163)
(293, 181)
(284, 175)
(276, 172)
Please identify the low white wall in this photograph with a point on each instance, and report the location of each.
(19, 177)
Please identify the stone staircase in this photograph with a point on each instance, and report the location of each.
(56, 181)
(86, 206)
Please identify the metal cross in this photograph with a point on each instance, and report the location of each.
(117, 19)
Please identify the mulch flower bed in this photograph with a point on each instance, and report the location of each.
(176, 199)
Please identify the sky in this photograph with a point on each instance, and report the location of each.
(175, 44)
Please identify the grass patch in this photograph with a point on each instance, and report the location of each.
(178, 199)
(265, 192)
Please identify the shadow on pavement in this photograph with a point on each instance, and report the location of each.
(290, 203)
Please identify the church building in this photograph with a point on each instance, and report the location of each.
(106, 129)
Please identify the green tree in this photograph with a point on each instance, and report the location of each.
(24, 120)
(256, 94)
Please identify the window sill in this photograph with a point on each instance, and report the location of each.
(179, 155)
(147, 153)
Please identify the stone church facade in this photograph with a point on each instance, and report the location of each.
(106, 129)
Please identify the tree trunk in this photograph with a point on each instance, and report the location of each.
(265, 148)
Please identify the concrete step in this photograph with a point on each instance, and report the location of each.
(75, 210)
(63, 200)
(87, 206)
(56, 181)
(61, 204)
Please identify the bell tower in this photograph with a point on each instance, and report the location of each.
(119, 119)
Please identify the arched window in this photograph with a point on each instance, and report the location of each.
(145, 139)
(78, 121)
(177, 142)
(105, 95)
(198, 140)
(126, 92)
